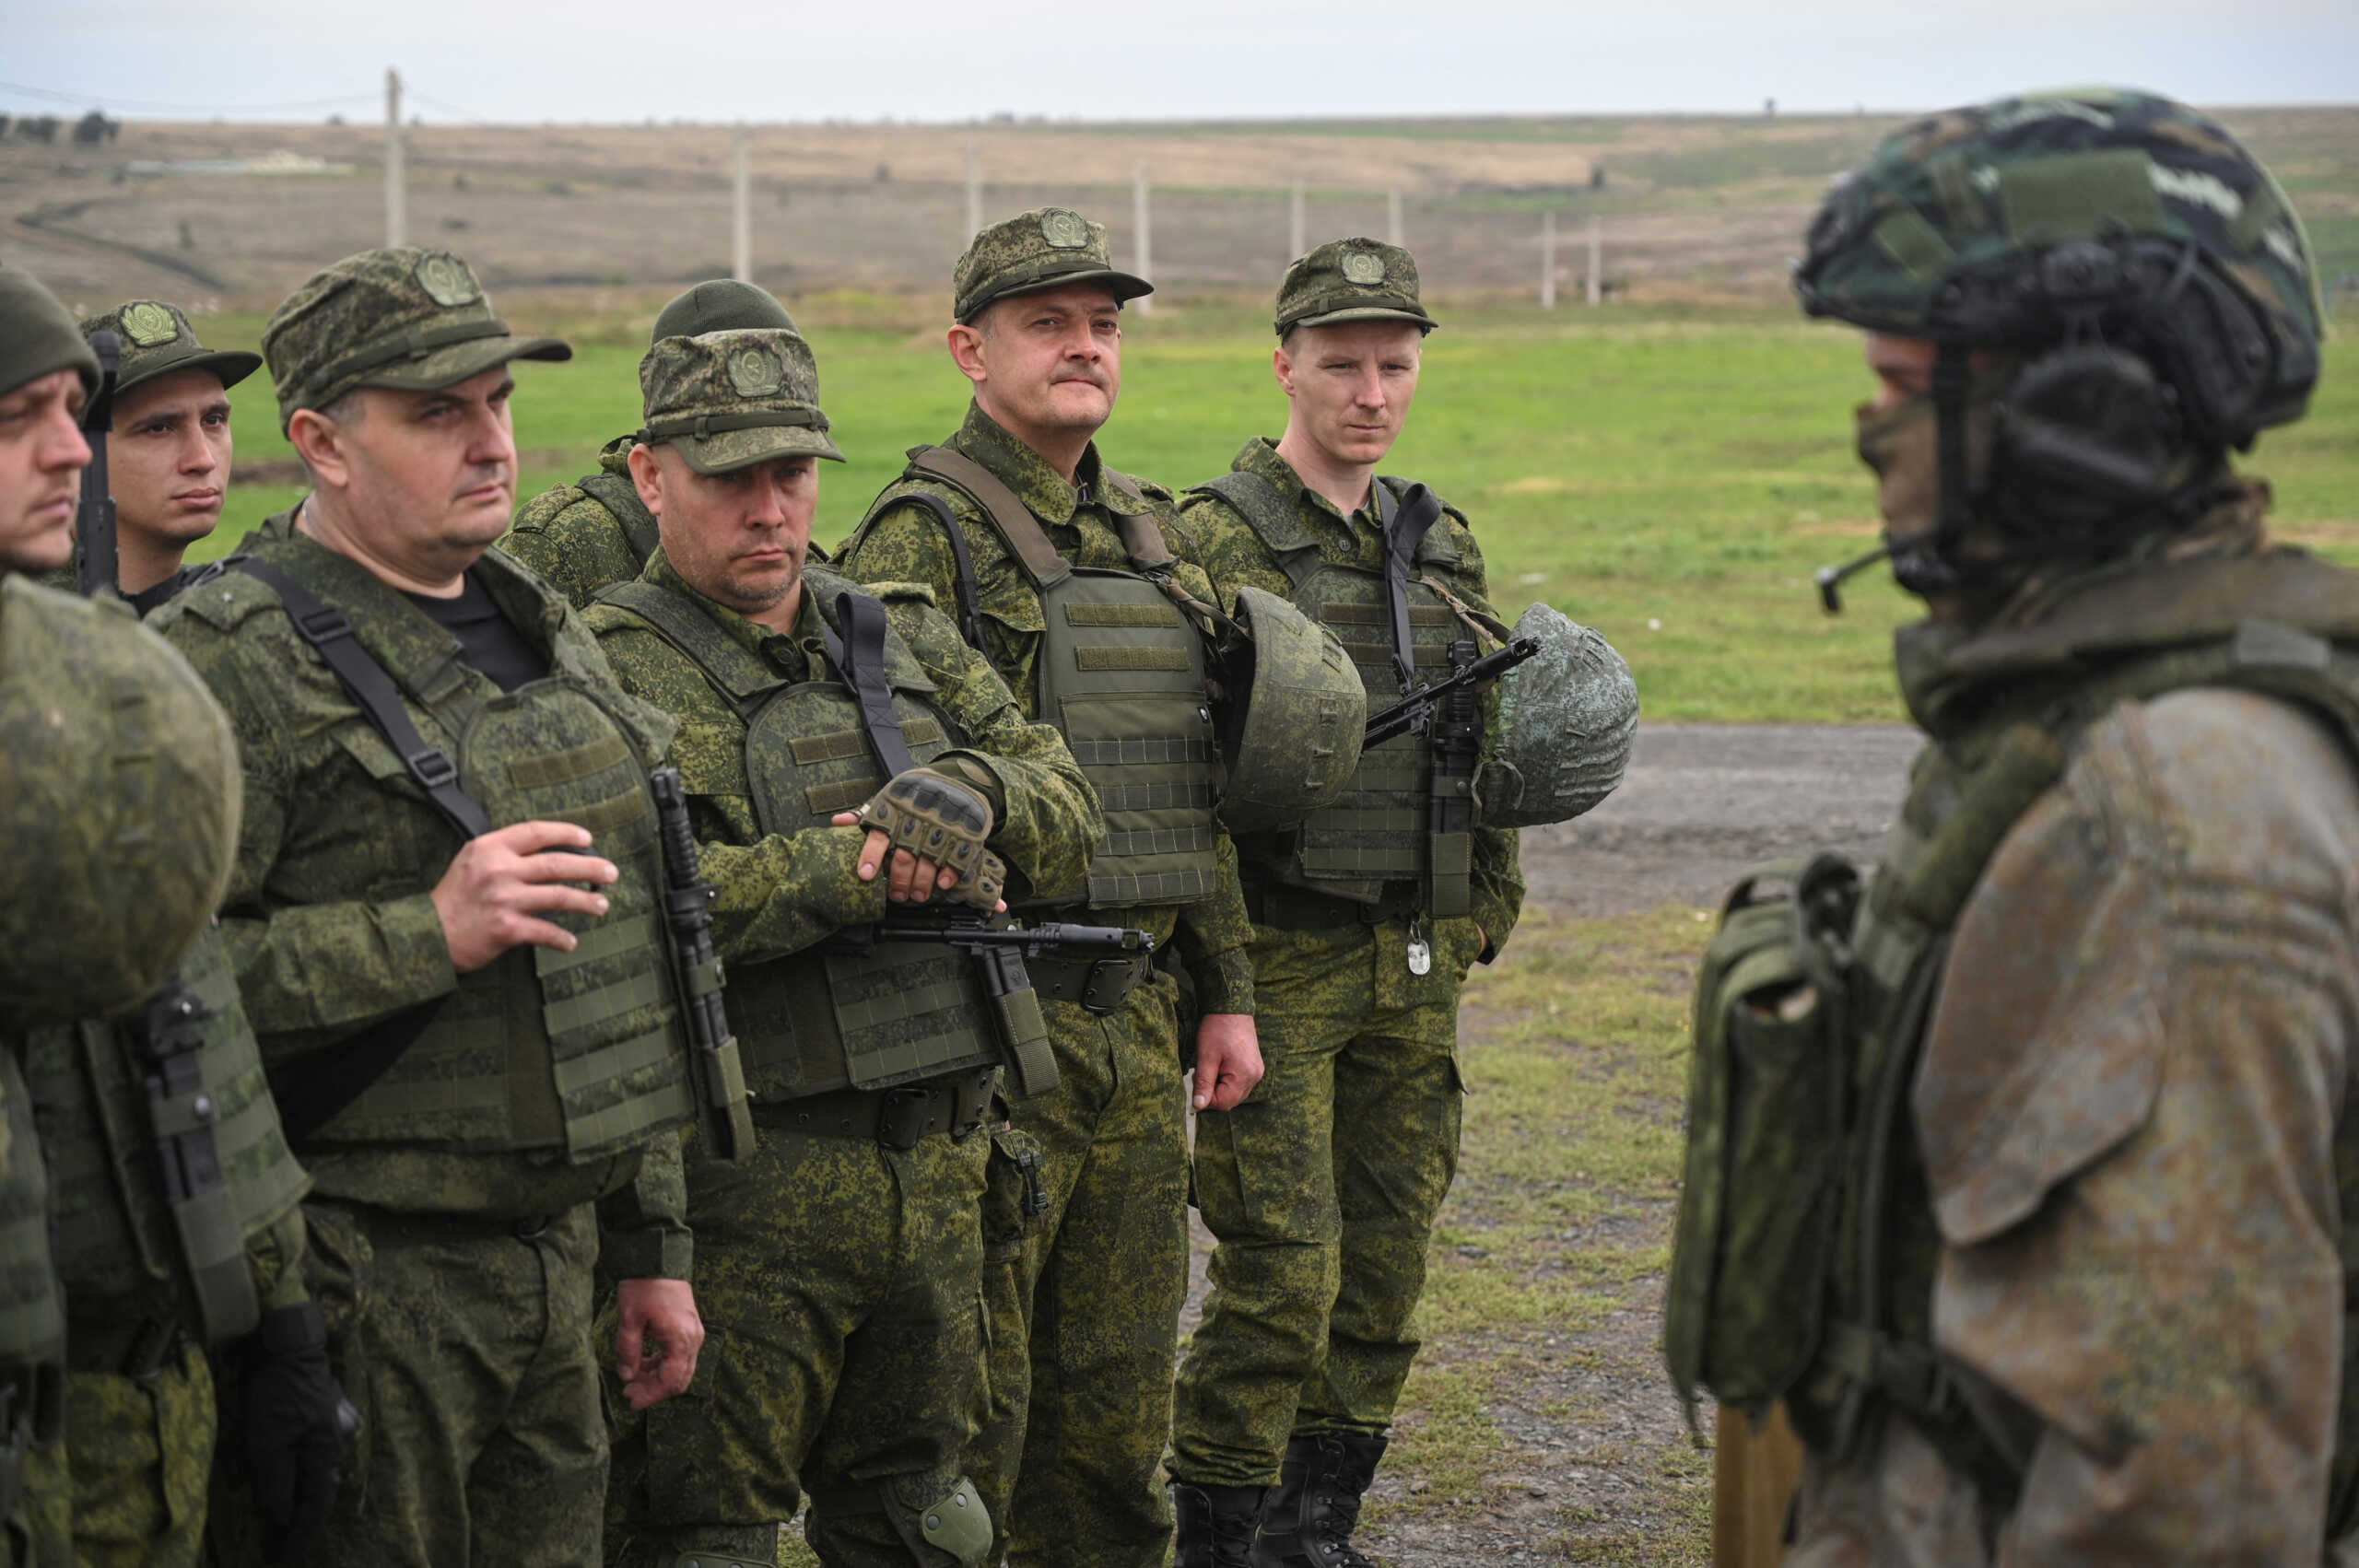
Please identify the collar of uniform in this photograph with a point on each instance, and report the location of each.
(1020, 468)
(530, 605)
(614, 456)
(1260, 457)
(793, 655)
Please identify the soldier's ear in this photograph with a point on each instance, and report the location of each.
(647, 477)
(966, 345)
(1282, 367)
(319, 441)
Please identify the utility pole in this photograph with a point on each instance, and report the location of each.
(1298, 226)
(396, 176)
(1548, 260)
(974, 189)
(1141, 225)
(1392, 217)
(741, 265)
(1596, 261)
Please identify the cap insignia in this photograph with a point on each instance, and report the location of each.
(446, 279)
(1066, 230)
(755, 372)
(1363, 268)
(150, 324)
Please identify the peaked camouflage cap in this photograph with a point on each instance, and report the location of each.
(728, 400)
(411, 319)
(1351, 280)
(1046, 247)
(157, 340)
(37, 335)
(1978, 189)
(721, 304)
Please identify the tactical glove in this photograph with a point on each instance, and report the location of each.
(296, 1421)
(942, 821)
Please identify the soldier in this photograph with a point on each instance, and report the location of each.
(167, 461)
(1364, 922)
(585, 536)
(1077, 582)
(446, 922)
(2037, 1204)
(839, 1272)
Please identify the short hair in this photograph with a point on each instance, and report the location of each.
(344, 409)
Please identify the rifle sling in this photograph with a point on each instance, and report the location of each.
(860, 654)
(1405, 523)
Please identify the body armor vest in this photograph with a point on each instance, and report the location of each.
(584, 1054)
(141, 1211)
(32, 1307)
(817, 1021)
(1876, 1347)
(1123, 678)
(1380, 830)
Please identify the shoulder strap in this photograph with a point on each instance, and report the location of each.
(962, 559)
(860, 654)
(329, 631)
(1008, 514)
(620, 497)
(743, 678)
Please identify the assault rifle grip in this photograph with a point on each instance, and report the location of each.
(94, 515)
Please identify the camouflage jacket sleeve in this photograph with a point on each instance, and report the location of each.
(905, 544)
(303, 967)
(2128, 1107)
(1497, 897)
(1216, 939)
(643, 1227)
(1046, 814)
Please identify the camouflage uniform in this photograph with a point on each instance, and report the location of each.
(1310, 1329)
(2044, 1242)
(595, 532)
(838, 1272)
(1089, 1309)
(453, 1248)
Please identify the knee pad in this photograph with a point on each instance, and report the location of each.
(713, 1546)
(954, 1521)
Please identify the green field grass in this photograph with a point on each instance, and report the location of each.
(1671, 477)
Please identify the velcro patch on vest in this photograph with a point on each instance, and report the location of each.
(1083, 615)
(1379, 655)
(1150, 751)
(840, 745)
(1350, 613)
(545, 770)
(601, 817)
(827, 800)
(1184, 796)
(1117, 658)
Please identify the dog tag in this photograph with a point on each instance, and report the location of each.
(1421, 951)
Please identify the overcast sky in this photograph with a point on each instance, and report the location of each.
(624, 60)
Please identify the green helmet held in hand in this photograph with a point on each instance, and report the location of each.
(1295, 720)
(2118, 295)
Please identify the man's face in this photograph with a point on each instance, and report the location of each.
(1050, 362)
(167, 460)
(739, 538)
(42, 458)
(1351, 385)
(430, 475)
(1903, 367)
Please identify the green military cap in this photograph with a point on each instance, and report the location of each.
(411, 319)
(728, 400)
(157, 340)
(1046, 247)
(722, 304)
(37, 333)
(1351, 280)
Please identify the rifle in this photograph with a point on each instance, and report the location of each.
(1415, 714)
(999, 952)
(94, 518)
(688, 910)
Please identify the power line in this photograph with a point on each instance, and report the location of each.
(113, 101)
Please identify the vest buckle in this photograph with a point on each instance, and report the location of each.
(431, 767)
(323, 625)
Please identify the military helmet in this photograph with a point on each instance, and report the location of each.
(1297, 715)
(2098, 216)
(1567, 718)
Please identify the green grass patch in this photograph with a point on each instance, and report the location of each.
(1670, 476)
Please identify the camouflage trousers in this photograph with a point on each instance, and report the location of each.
(838, 1280)
(464, 1345)
(1321, 1190)
(1084, 1321)
(126, 1487)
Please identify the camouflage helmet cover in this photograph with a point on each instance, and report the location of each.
(2006, 224)
(1567, 720)
(1296, 719)
(728, 400)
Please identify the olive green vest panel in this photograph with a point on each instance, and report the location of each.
(124, 1247)
(583, 1054)
(1122, 677)
(2153, 634)
(32, 1307)
(1380, 829)
(815, 1022)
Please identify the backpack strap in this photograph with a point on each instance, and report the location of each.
(620, 497)
(1016, 525)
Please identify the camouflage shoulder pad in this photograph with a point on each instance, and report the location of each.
(547, 506)
(889, 592)
(222, 599)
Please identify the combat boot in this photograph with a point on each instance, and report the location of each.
(1215, 1525)
(1307, 1519)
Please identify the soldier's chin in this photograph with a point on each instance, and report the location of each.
(37, 546)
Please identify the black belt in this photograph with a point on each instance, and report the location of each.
(1285, 909)
(897, 1118)
(1095, 985)
(138, 1350)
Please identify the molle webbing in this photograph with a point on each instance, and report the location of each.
(32, 1307)
(620, 497)
(582, 1052)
